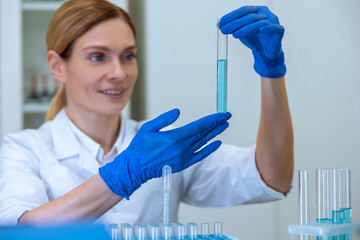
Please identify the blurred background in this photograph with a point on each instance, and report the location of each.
(177, 60)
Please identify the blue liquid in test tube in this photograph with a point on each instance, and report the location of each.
(222, 59)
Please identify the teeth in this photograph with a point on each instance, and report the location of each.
(112, 92)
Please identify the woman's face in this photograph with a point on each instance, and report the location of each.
(101, 73)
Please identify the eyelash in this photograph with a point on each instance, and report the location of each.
(131, 55)
(97, 55)
(103, 56)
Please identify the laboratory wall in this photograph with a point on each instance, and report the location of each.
(177, 46)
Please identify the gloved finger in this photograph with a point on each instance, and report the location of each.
(273, 28)
(199, 142)
(203, 124)
(162, 121)
(270, 16)
(250, 29)
(238, 13)
(205, 152)
(235, 25)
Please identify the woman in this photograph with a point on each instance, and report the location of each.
(87, 158)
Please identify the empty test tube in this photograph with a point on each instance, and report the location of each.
(222, 59)
(167, 232)
(303, 200)
(140, 232)
(114, 231)
(127, 231)
(192, 231)
(153, 232)
(218, 229)
(179, 231)
(166, 173)
(205, 230)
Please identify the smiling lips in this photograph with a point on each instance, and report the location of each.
(113, 93)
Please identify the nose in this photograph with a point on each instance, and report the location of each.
(116, 71)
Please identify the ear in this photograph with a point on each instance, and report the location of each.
(56, 65)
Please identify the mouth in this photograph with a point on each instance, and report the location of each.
(112, 92)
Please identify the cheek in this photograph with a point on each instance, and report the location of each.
(134, 73)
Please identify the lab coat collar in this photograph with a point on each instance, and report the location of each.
(65, 142)
(84, 140)
(93, 147)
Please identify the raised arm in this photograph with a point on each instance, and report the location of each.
(148, 152)
(259, 29)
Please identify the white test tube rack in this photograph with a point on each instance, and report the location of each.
(324, 230)
(306, 228)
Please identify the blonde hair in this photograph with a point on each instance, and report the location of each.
(73, 19)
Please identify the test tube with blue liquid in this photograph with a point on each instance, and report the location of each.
(323, 197)
(222, 59)
(346, 175)
(336, 200)
(346, 195)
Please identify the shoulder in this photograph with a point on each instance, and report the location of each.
(30, 140)
(24, 148)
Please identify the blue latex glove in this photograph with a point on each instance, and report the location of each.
(151, 149)
(259, 29)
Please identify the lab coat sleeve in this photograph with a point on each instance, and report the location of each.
(21, 188)
(226, 178)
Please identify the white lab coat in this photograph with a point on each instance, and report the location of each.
(39, 165)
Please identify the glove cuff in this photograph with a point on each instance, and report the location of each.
(120, 183)
(270, 69)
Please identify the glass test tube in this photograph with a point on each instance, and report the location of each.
(167, 232)
(127, 231)
(192, 232)
(222, 58)
(140, 232)
(346, 208)
(153, 232)
(303, 200)
(218, 229)
(114, 231)
(346, 174)
(205, 230)
(179, 231)
(166, 173)
(323, 196)
(337, 191)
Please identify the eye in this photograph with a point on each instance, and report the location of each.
(97, 57)
(129, 57)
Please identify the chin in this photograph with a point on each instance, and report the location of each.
(111, 110)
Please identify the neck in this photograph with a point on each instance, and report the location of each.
(103, 129)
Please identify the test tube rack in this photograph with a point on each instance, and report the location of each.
(333, 206)
(173, 231)
(324, 230)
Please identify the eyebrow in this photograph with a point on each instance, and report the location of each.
(106, 49)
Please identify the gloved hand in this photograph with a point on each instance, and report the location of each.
(151, 149)
(259, 29)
